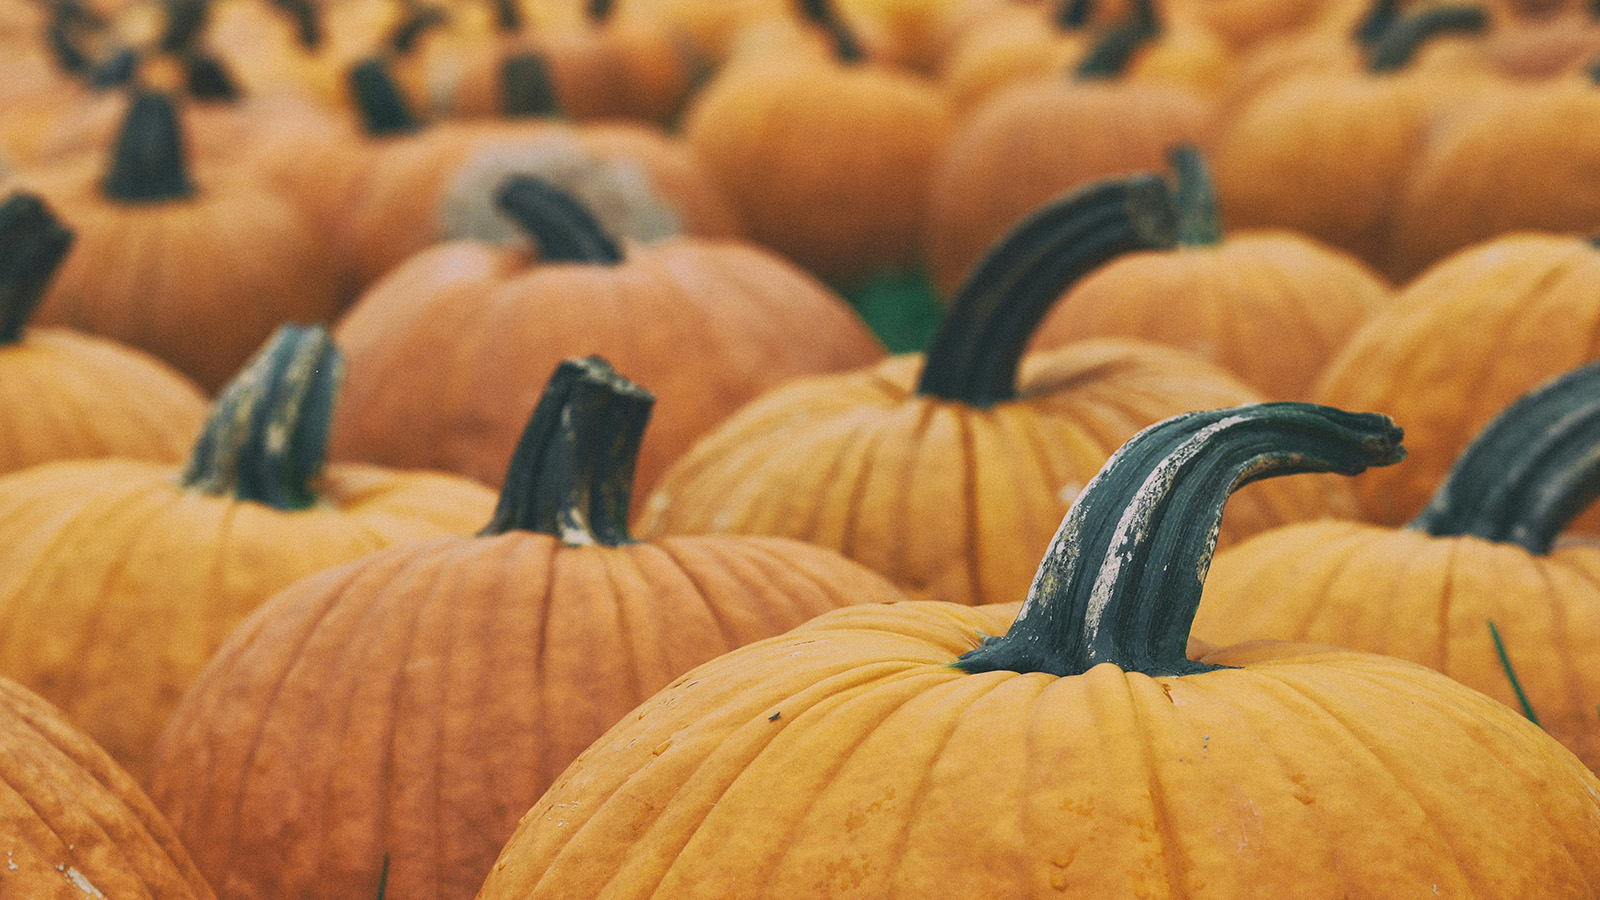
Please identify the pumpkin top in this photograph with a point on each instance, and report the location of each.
(1529, 472)
(571, 474)
(1400, 42)
(33, 242)
(974, 356)
(267, 435)
(1111, 54)
(378, 99)
(1122, 579)
(149, 163)
(1199, 225)
(561, 227)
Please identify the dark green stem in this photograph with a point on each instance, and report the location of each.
(824, 15)
(974, 356)
(307, 21)
(599, 11)
(33, 242)
(1529, 472)
(378, 99)
(1401, 42)
(1196, 198)
(65, 32)
(185, 20)
(572, 472)
(267, 435)
(561, 227)
(1111, 54)
(1071, 15)
(1122, 580)
(149, 164)
(507, 16)
(208, 79)
(417, 22)
(526, 88)
(1380, 17)
(116, 71)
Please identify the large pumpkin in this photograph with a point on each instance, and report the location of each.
(899, 752)
(478, 666)
(983, 450)
(120, 577)
(1476, 587)
(448, 352)
(1270, 306)
(65, 395)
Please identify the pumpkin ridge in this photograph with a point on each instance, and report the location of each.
(676, 553)
(1560, 639)
(971, 544)
(1171, 831)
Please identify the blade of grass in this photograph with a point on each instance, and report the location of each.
(1511, 673)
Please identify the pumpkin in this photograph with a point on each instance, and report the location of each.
(499, 659)
(197, 272)
(983, 450)
(1271, 306)
(1041, 137)
(824, 160)
(120, 577)
(1014, 41)
(707, 325)
(1476, 586)
(898, 752)
(1461, 342)
(65, 395)
(75, 825)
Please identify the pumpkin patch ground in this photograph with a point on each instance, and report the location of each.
(972, 335)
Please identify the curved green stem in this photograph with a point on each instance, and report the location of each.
(208, 79)
(1122, 579)
(33, 242)
(1071, 15)
(1402, 40)
(526, 88)
(1199, 225)
(572, 472)
(116, 71)
(974, 356)
(307, 21)
(1111, 54)
(65, 32)
(267, 435)
(1529, 472)
(417, 22)
(378, 99)
(185, 20)
(149, 164)
(1379, 18)
(561, 227)
(823, 14)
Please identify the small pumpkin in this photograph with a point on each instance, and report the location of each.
(120, 577)
(984, 450)
(1477, 586)
(65, 395)
(707, 324)
(1270, 306)
(478, 667)
(899, 752)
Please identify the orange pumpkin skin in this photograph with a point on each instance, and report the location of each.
(74, 824)
(1460, 343)
(707, 326)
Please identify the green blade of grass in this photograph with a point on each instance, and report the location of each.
(1511, 674)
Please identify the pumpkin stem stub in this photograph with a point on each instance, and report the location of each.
(975, 354)
(1529, 472)
(823, 14)
(507, 16)
(149, 163)
(267, 436)
(418, 22)
(383, 109)
(307, 21)
(185, 20)
(1122, 579)
(599, 11)
(1399, 44)
(571, 476)
(1199, 224)
(561, 227)
(1072, 14)
(1114, 50)
(1377, 20)
(33, 242)
(526, 88)
(208, 79)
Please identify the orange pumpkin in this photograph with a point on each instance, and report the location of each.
(707, 325)
(899, 752)
(1476, 581)
(1270, 306)
(74, 824)
(982, 450)
(65, 395)
(499, 658)
(120, 577)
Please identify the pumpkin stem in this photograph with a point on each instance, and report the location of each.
(307, 21)
(116, 71)
(208, 79)
(1073, 14)
(823, 14)
(1199, 225)
(561, 227)
(1122, 579)
(185, 20)
(1111, 54)
(1529, 472)
(149, 164)
(572, 472)
(383, 109)
(1378, 19)
(33, 242)
(526, 89)
(1403, 39)
(507, 16)
(417, 22)
(974, 356)
(267, 435)
(599, 11)
(69, 19)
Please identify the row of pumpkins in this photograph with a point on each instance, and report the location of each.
(337, 629)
